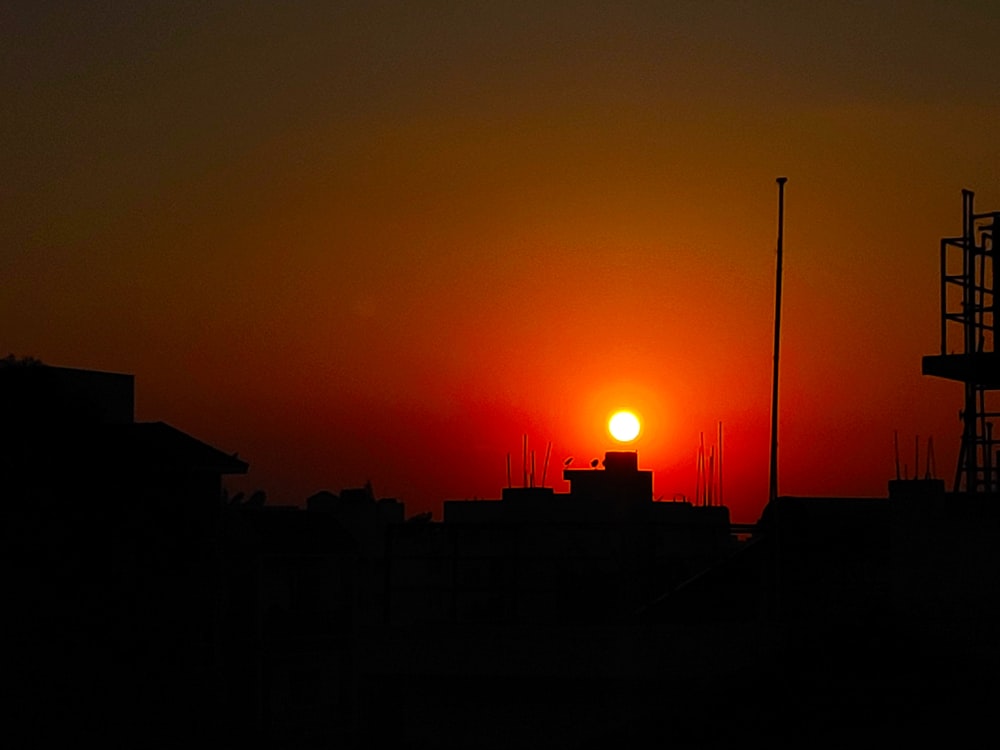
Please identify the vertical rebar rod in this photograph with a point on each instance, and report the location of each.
(968, 275)
(994, 269)
(983, 289)
(970, 426)
(773, 490)
(710, 492)
(699, 488)
(720, 498)
(524, 460)
(944, 297)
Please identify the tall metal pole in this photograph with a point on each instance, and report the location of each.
(773, 493)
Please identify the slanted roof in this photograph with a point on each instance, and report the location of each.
(159, 445)
(120, 448)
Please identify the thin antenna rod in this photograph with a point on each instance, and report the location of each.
(532, 468)
(700, 489)
(773, 492)
(524, 460)
(545, 466)
(508, 469)
(720, 465)
(710, 494)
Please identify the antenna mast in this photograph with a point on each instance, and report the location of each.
(545, 466)
(524, 460)
(720, 499)
(773, 491)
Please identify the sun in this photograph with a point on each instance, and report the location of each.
(624, 426)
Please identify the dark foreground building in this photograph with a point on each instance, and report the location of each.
(110, 531)
(143, 610)
(869, 617)
(514, 622)
(591, 555)
(287, 614)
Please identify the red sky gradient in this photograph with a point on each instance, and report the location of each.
(384, 241)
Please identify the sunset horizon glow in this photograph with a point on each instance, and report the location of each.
(367, 242)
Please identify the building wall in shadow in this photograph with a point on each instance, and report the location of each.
(288, 622)
(592, 555)
(109, 532)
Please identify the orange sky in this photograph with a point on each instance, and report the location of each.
(386, 240)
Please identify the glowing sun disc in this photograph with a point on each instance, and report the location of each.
(624, 426)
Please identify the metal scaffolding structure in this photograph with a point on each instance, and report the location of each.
(969, 273)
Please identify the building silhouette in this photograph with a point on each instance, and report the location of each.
(592, 555)
(110, 530)
(288, 614)
(145, 608)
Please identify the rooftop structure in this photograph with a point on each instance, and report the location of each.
(616, 491)
(968, 354)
